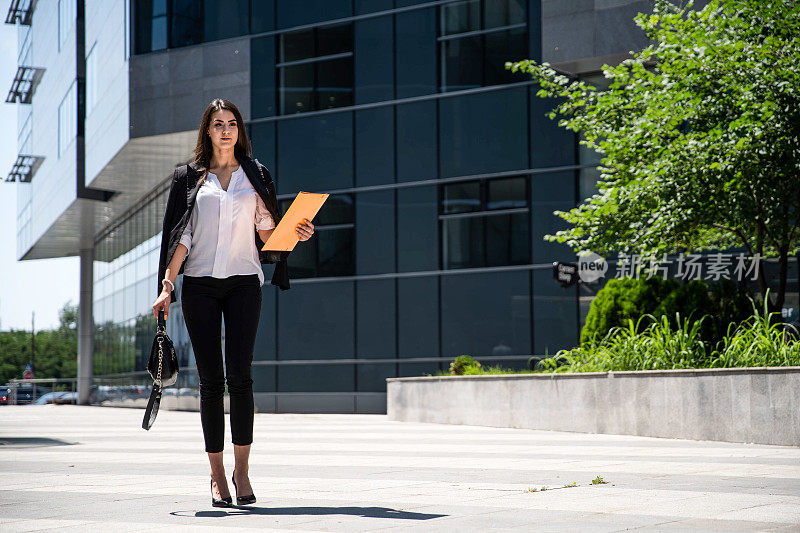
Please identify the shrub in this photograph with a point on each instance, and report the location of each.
(464, 364)
(623, 299)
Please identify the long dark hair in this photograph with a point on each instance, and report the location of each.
(203, 150)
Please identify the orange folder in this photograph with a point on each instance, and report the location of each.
(284, 236)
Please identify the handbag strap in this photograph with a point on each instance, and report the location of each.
(152, 404)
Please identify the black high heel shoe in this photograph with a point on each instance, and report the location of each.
(242, 500)
(224, 502)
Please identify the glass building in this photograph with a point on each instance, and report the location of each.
(442, 167)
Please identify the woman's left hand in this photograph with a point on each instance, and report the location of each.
(305, 230)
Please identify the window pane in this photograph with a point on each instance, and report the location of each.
(336, 252)
(502, 46)
(302, 261)
(334, 39)
(462, 242)
(486, 314)
(508, 239)
(460, 17)
(461, 197)
(158, 40)
(297, 88)
(337, 209)
(187, 23)
(506, 193)
(225, 18)
(461, 63)
(297, 45)
(484, 132)
(503, 13)
(335, 83)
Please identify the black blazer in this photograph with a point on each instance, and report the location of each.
(182, 195)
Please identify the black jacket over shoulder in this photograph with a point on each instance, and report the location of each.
(182, 195)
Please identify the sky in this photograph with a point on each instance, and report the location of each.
(41, 286)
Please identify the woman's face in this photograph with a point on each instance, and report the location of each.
(223, 129)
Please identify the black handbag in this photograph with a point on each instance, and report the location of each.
(162, 367)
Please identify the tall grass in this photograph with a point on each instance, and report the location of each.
(758, 341)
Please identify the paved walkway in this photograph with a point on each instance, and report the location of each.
(78, 468)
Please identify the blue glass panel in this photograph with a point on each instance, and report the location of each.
(315, 153)
(417, 229)
(551, 145)
(187, 24)
(262, 77)
(486, 314)
(262, 15)
(550, 192)
(459, 17)
(508, 239)
(461, 197)
(265, 346)
(225, 18)
(463, 242)
(375, 232)
(262, 139)
(370, 6)
(375, 146)
(374, 69)
(416, 141)
(376, 319)
(316, 378)
(416, 52)
(418, 316)
(298, 12)
(327, 310)
(485, 132)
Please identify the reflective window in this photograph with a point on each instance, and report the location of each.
(315, 69)
(374, 146)
(331, 251)
(67, 120)
(186, 23)
(375, 232)
(293, 13)
(91, 79)
(315, 153)
(333, 310)
(161, 24)
(66, 18)
(224, 18)
(374, 68)
(415, 52)
(417, 232)
(486, 314)
(263, 102)
(477, 38)
(483, 132)
(485, 223)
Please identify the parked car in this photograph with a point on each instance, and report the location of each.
(24, 393)
(55, 397)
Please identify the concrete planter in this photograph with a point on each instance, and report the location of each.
(758, 405)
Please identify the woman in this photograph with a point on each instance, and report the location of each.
(220, 211)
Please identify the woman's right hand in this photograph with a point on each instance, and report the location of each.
(162, 302)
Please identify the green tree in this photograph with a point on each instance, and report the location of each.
(699, 135)
(56, 353)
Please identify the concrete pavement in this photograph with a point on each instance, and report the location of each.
(80, 468)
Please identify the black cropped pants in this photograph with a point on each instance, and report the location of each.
(204, 300)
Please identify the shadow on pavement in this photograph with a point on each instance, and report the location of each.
(19, 442)
(371, 512)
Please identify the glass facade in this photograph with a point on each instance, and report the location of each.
(429, 245)
(443, 172)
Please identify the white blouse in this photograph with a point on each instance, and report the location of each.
(219, 234)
